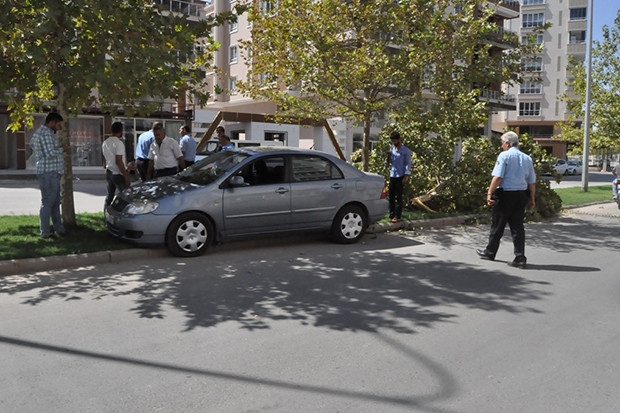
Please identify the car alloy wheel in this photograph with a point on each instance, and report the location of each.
(189, 235)
(349, 224)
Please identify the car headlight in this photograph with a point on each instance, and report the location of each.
(141, 207)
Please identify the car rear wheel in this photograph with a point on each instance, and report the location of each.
(189, 235)
(349, 224)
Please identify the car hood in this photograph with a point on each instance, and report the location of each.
(156, 189)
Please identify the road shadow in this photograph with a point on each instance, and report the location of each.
(362, 287)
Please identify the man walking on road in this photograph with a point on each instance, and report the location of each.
(512, 189)
(399, 160)
(50, 167)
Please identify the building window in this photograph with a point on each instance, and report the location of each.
(528, 2)
(234, 27)
(535, 39)
(528, 87)
(233, 54)
(533, 20)
(268, 6)
(232, 85)
(532, 64)
(577, 37)
(578, 13)
(529, 108)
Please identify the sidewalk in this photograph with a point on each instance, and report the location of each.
(79, 173)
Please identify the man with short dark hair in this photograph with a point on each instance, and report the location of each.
(165, 156)
(116, 174)
(142, 150)
(49, 156)
(399, 160)
(188, 145)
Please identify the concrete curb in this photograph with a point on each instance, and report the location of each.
(32, 265)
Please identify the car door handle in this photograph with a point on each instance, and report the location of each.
(281, 190)
(337, 186)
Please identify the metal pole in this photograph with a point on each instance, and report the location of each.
(586, 123)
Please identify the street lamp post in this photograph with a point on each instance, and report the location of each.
(586, 128)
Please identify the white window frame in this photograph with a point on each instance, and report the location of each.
(232, 85)
(532, 19)
(233, 54)
(529, 108)
(529, 87)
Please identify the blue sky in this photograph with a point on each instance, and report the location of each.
(605, 12)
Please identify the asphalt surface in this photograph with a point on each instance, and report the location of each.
(398, 323)
(20, 195)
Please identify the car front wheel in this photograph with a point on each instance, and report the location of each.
(189, 235)
(349, 225)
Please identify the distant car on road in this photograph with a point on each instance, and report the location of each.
(575, 168)
(561, 167)
(240, 193)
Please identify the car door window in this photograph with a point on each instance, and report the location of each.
(314, 168)
(265, 171)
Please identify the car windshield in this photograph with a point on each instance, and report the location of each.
(212, 167)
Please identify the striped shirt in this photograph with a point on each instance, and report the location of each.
(47, 150)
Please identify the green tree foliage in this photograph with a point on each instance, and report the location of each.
(604, 99)
(362, 58)
(71, 55)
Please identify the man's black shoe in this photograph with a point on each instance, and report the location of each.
(485, 255)
(519, 262)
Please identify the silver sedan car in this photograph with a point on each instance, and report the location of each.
(248, 192)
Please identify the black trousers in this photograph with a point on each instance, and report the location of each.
(395, 197)
(115, 183)
(165, 172)
(509, 208)
(142, 165)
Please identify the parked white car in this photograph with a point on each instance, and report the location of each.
(561, 167)
(575, 168)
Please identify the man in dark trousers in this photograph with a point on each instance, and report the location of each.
(399, 160)
(512, 189)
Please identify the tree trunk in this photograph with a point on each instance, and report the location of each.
(366, 148)
(67, 206)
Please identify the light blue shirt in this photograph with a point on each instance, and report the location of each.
(188, 147)
(144, 143)
(400, 161)
(516, 170)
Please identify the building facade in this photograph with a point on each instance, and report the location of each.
(539, 104)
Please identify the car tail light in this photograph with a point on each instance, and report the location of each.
(384, 192)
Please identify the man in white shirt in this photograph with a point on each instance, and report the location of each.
(116, 173)
(188, 145)
(165, 156)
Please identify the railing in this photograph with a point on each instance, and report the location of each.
(497, 95)
(183, 7)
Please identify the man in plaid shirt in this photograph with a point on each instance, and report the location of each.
(50, 167)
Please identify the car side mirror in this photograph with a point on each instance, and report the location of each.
(236, 180)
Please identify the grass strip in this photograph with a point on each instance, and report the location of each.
(20, 237)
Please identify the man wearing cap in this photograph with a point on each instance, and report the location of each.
(512, 189)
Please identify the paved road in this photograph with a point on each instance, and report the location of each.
(403, 322)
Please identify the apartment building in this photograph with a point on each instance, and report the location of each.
(539, 106)
(231, 61)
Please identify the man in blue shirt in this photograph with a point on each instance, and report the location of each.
(142, 150)
(512, 189)
(188, 145)
(50, 167)
(399, 159)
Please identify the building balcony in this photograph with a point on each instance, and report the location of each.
(503, 38)
(188, 8)
(498, 100)
(576, 49)
(508, 9)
